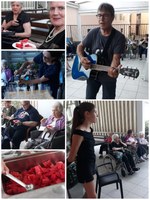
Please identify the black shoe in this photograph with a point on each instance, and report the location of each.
(131, 172)
(136, 169)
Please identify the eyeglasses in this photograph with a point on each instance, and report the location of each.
(105, 16)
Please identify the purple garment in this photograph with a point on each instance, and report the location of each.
(60, 123)
(8, 74)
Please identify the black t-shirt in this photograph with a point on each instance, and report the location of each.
(86, 150)
(22, 18)
(95, 41)
(58, 42)
(49, 71)
(31, 114)
(114, 144)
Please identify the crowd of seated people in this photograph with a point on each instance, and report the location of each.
(123, 149)
(19, 123)
(134, 47)
(134, 145)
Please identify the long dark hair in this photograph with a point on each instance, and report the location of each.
(129, 132)
(78, 115)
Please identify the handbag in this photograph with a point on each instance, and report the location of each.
(72, 179)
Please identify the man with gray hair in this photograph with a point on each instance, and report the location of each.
(108, 44)
(22, 119)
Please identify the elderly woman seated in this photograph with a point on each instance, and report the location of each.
(119, 152)
(143, 142)
(16, 22)
(132, 142)
(54, 123)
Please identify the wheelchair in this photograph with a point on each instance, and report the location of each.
(116, 162)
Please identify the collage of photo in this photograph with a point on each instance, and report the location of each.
(74, 99)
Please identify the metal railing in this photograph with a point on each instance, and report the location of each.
(139, 30)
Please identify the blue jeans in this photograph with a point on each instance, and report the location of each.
(101, 79)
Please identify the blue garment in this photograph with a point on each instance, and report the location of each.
(49, 71)
(31, 114)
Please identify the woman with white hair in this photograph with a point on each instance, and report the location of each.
(7, 70)
(18, 22)
(118, 150)
(56, 121)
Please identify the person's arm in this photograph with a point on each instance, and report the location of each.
(115, 65)
(30, 123)
(84, 60)
(5, 169)
(27, 31)
(34, 81)
(114, 147)
(24, 65)
(117, 148)
(26, 123)
(43, 121)
(6, 25)
(124, 144)
(76, 142)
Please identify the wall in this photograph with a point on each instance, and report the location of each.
(45, 107)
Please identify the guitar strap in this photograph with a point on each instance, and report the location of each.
(108, 42)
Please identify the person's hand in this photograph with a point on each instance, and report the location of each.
(17, 122)
(114, 71)
(43, 120)
(49, 127)
(85, 62)
(16, 72)
(21, 81)
(29, 67)
(14, 23)
(4, 115)
(5, 169)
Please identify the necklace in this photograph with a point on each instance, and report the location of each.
(52, 35)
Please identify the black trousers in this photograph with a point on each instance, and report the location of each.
(16, 135)
(96, 81)
(128, 160)
(140, 150)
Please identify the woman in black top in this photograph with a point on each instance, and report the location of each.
(56, 36)
(118, 150)
(82, 146)
(18, 22)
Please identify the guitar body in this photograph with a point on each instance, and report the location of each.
(80, 73)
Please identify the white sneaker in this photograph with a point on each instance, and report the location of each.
(145, 157)
(142, 159)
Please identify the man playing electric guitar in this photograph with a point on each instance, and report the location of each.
(108, 44)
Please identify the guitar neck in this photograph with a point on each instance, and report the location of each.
(99, 67)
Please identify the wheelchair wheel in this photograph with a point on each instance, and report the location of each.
(111, 159)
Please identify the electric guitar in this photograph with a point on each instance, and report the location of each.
(80, 73)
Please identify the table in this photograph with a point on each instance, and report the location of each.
(33, 94)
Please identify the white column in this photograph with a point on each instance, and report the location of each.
(79, 27)
(140, 121)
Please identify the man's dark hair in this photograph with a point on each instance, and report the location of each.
(56, 54)
(107, 7)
